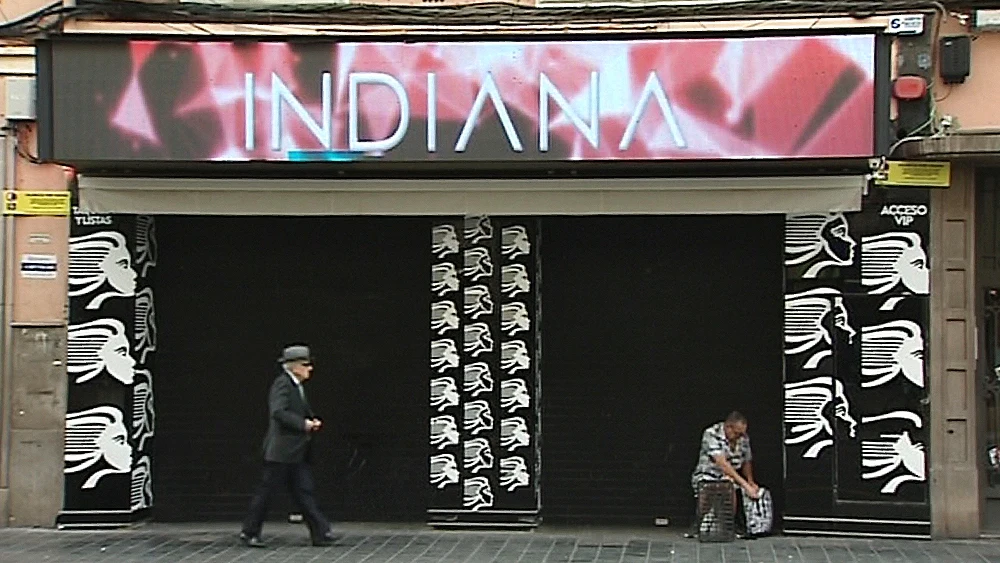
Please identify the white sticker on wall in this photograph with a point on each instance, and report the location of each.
(478, 455)
(478, 301)
(478, 378)
(514, 318)
(444, 470)
(444, 355)
(478, 417)
(145, 324)
(514, 473)
(444, 278)
(514, 279)
(444, 317)
(145, 243)
(514, 356)
(478, 264)
(39, 266)
(515, 242)
(478, 339)
(514, 395)
(478, 494)
(444, 241)
(514, 433)
(143, 413)
(477, 229)
(444, 393)
(444, 431)
(142, 485)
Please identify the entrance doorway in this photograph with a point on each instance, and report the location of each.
(652, 329)
(655, 328)
(231, 291)
(988, 321)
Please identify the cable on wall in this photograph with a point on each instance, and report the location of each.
(50, 18)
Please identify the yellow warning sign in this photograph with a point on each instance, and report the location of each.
(35, 203)
(917, 173)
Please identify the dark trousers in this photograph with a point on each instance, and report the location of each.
(300, 484)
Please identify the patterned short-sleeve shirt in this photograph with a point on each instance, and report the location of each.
(713, 443)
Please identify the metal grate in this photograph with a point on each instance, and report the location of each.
(716, 512)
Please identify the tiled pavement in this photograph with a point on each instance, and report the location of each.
(379, 543)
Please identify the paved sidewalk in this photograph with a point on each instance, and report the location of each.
(384, 543)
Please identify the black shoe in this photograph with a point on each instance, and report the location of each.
(693, 529)
(325, 540)
(251, 541)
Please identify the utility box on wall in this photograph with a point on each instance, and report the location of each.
(20, 99)
(955, 54)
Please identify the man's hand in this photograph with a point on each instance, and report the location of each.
(313, 424)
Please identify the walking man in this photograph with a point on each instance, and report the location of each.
(291, 423)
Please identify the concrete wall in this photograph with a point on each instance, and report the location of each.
(954, 470)
(32, 374)
(32, 328)
(957, 501)
(965, 101)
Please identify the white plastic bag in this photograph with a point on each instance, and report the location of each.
(758, 512)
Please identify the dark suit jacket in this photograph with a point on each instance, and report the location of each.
(287, 440)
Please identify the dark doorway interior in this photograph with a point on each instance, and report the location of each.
(229, 293)
(654, 328)
(988, 323)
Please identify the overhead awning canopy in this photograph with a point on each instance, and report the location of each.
(619, 196)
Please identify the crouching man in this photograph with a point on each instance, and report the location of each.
(725, 455)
